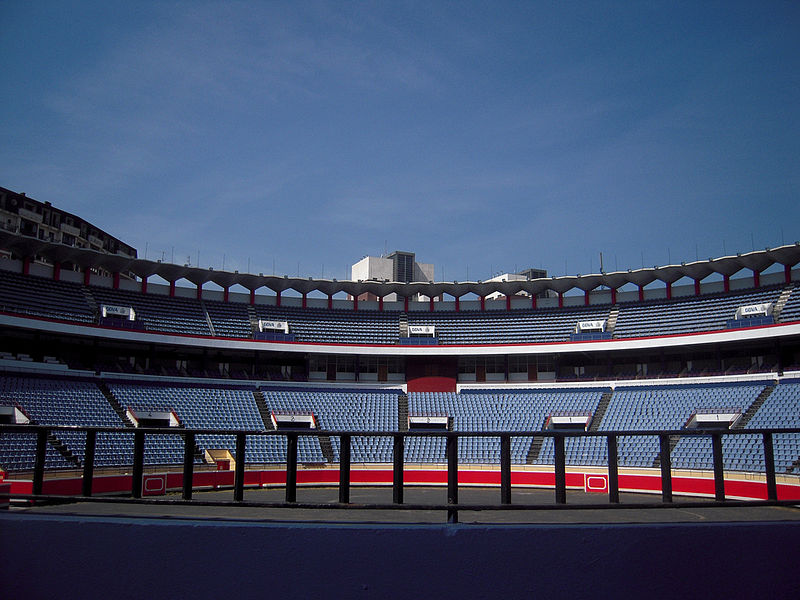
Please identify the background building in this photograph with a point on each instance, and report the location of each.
(397, 266)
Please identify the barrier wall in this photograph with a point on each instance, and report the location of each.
(43, 556)
(698, 484)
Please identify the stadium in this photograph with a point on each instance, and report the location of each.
(145, 383)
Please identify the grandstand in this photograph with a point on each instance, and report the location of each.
(83, 349)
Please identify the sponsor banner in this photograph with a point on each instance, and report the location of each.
(414, 330)
(125, 312)
(281, 326)
(754, 310)
(584, 326)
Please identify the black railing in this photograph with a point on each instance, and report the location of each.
(451, 451)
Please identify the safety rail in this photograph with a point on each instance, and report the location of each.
(451, 450)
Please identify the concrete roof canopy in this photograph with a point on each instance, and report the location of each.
(29, 247)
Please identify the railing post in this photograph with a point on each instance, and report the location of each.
(344, 469)
(560, 470)
(613, 470)
(88, 462)
(719, 473)
(188, 465)
(452, 476)
(138, 463)
(397, 478)
(291, 467)
(769, 467)
(38, 465)
(505, 469)
(666, 468)
(238, 482)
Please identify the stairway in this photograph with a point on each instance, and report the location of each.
(611, 322)
(673, 441)
(114, 404)
(327, 448)
(261, 403)
(208, 319)
(402, 412)
(403, 322)
(90, 300)
(602, 407)
(251, 313)
(781, 302)
(63, 450)
(753, 408)
(534, 450)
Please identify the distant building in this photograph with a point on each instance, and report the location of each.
(398, 266)
(41, 220)
(521, 276)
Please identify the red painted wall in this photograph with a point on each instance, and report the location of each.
(432, 374)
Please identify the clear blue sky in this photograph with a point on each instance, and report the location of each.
(483, 136)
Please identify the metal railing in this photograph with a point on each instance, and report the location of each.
(399, 439)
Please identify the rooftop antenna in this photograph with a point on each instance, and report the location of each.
(601, 263)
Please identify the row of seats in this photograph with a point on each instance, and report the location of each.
(54, 401)
(70, 301)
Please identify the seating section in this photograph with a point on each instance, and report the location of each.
(780, 409)
(206, 408)
(480, 411)
(40, 297)
(229, 319)
(498, 327)
(668, 407)
(686, 315)
(64, 402)
(335, 326)
(157, 312)
(44, 297)
(791, 310)
(356, 410)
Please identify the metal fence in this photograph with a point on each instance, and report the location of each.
(451, 451)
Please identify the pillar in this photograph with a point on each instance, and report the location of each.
(144, 285)
(669, 290)
(87, 276)
(380, 303)
(252, 297)
(613, 295)
(508, 302)
(641, 293)
(560, 299)
(696, 287)
(171, 289)
(483, 302)
(278, 298)
(586, 297)
(26, 265)
(430, 304)
(199, 291)
(305, 300)
(458, 304)
(56, 271)
(756, 279)
(116, 281)
(726, 283)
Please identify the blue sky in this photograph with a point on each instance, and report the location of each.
(485, 137)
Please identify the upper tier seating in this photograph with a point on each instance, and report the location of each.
(791, 310)
(503, 327)
(335, 326)
(686, 315)
(157, 312)
(41, 297)
(65, 300)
